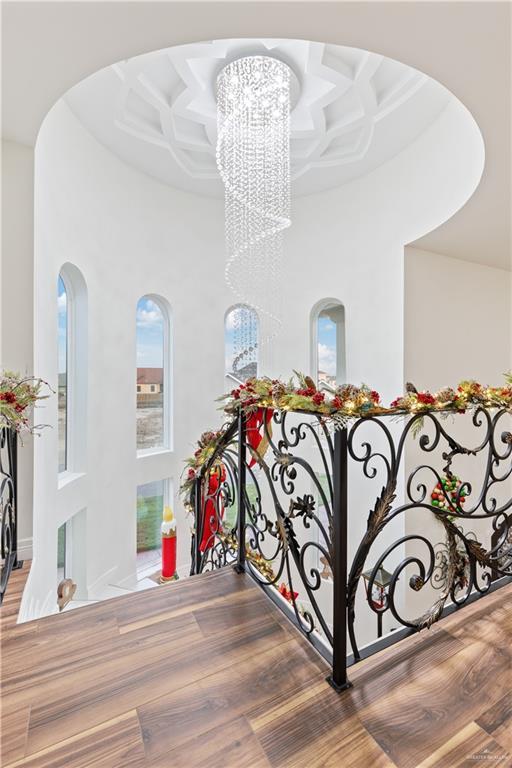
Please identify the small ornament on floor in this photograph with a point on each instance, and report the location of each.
(65, 593)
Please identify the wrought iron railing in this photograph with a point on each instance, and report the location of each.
(362, 534)
(8, 506)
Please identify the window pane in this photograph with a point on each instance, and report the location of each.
(241, 343)
(327, 353)
(150, 375)
(61, 553)
(62, 304)
(150, 505)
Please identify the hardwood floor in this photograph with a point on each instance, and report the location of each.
(12, 598)
(207, 672)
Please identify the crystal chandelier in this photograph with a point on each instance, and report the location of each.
(253, 158)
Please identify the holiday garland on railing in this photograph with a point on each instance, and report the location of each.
(18, 396)
(347, 402)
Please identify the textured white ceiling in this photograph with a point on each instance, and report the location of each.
(48, 47)
(352, 110)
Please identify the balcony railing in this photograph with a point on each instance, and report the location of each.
(8, 506)
(363, 534)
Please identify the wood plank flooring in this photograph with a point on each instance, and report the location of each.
(207, 672)
(12, 598)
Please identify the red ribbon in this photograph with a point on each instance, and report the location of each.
(213, 508)
(254, 423)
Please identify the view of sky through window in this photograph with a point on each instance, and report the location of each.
(326, 345)
(241, 330)
(150, 334)
(150, 374)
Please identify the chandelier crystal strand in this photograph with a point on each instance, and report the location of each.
(253, 158)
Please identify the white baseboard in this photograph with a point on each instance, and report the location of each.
(25, 549)
(184, 571)
(101, 582)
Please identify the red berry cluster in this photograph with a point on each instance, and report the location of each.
(306, 391)
(246, 392)
(10, 399)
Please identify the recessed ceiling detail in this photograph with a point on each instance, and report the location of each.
(351, 110)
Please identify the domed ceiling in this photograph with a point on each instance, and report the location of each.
(351, 110)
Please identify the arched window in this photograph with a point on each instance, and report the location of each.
(241, 332)
(63, 343)
(153, 374)
(72, 369)
(328, 347)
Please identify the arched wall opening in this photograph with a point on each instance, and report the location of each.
(154, 351)
(328, 343)
(241, 364)
(73, 370)
(134, 235)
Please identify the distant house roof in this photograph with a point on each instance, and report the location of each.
(150, 375)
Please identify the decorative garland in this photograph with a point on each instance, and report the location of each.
(18, 395)
(347, 402)
(206, 447)
(301, 394)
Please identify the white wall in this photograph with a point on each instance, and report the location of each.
(132, 236)
(457, 320)
(457, 326)
(17, 301)
(129, 237)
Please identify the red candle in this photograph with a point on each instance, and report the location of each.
(168, 546)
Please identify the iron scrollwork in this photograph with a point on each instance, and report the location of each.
(8, 512)
(285, 533)
(462, 565)
(287, 496)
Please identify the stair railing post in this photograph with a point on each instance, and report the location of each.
(198, 514)
(240, 534)
(13, 437)
(338, 678)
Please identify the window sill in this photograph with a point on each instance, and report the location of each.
(66, 477)
(145, 452)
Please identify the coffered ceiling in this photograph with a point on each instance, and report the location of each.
(48, 47)
(351, 110)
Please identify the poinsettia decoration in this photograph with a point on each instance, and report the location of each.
(287, 593)
(18, 395)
